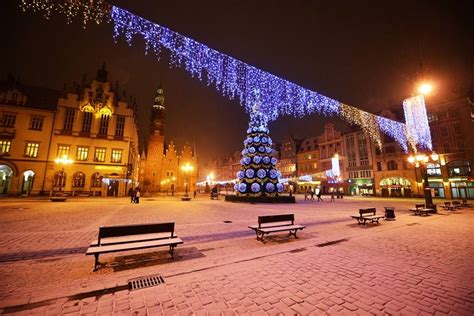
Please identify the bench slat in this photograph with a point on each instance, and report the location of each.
(130, 238)
(280, 228)
(135, 245)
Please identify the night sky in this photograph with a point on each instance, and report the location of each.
(368, 54)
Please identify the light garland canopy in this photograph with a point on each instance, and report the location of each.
(236, 79)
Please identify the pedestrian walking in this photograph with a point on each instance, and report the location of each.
(332, 197)
(319, 195)
(137, 195)
(305, 194)
(131, 194)
(195, 193)
(311, 192)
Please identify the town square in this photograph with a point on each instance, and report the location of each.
(236, 157)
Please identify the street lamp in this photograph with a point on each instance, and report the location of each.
(63, 161)
(421, 161)
(186, 169)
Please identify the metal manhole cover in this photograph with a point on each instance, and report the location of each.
(331, 243)
(144, 282)
(227, 222)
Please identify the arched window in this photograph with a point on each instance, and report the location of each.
(60, 179)
(392, 165)
(458, 168)
(96, 180)
(78, 180)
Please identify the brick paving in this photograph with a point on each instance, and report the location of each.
(411, 266)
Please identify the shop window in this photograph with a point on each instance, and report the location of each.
(60, 179)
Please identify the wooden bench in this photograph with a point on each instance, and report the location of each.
(421, 210)
(367, 214)
(266, 225)
(133, 237)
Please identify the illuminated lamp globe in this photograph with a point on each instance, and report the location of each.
(419, 157)
(425, 88)
(411, 159)
(434, 156)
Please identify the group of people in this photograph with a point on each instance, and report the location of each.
(312, 193)
(309, 194)
(134, 195)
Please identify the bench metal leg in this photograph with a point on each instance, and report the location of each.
(292, 232)
(171, 251)
(96, 262)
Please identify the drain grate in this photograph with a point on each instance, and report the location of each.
(144, 282)
(227, 222)
(413, 224)
(331, 243)
(298, 250)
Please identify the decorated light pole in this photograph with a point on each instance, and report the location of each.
(421, 161)
(62, 161)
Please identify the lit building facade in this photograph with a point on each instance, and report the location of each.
(307, 159)
(359, 163)
(451, 125)
(331, 143)
(161, 165)
(86, 144)
(26, 121)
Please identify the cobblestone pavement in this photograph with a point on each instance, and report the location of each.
(411, 266)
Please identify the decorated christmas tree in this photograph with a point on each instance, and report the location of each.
(258, 176)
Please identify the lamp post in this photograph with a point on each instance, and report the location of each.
(63, 161)
(421, 161)
(186, 169)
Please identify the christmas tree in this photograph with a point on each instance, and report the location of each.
(258, 176)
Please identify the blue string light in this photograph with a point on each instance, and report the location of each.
(234, 78)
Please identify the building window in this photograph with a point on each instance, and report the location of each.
(433, 170)
(457, 128)
(459, 168)
(36, 123)
(446, 148)
(68, 119)
(116, 155)
(96, 180)
(63, 151)
(86, 122)
(32, 149)
(5, 146)
(104, 124)
(9, 120)
(379, 166)
(60, 179)
(390, 149)
(78, 180)
(99, 154)
(82, 153)
(444, 131)
(120, 126)
(392, 165)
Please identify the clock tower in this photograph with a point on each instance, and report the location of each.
(152, 158)
(158, 114)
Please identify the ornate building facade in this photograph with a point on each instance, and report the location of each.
(85, 144)
(161, 165)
